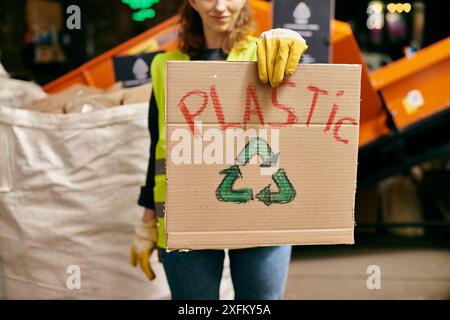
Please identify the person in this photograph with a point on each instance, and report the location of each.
(212, 30)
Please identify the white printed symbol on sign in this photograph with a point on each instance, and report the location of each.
(140, 69)
(73, 281)
(302, 13)
(374, 280)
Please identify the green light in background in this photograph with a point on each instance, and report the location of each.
(144, 9)
(141, 15)
(140, 4)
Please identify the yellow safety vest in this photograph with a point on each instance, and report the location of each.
(246, 52)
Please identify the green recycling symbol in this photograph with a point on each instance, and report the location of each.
(255, 146)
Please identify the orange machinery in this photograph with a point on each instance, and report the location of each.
(383, 112)
(427, 72)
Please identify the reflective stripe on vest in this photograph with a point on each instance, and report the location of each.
(247, 52)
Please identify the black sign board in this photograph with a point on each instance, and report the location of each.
(311, 19)
(133, 70)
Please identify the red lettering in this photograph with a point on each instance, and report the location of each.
(316, 91)
(190, 116)
(252, 95)
(337, 127)
(291, 117)
(333, 112)
(219, 110)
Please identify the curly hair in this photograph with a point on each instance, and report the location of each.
(191, 37)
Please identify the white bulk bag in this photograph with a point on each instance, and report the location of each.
(68, 191)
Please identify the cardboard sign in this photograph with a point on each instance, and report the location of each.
(311, 19)
(248, 165)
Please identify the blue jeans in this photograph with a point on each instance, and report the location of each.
(257, 273)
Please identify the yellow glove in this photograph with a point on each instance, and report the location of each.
(144, 242)
(278, 54)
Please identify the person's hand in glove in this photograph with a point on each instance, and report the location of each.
(278, 54)
(144, 242)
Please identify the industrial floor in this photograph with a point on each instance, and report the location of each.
(409, 268)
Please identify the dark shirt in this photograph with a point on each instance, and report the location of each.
(146, 198)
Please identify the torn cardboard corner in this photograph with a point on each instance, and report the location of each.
(248, 165)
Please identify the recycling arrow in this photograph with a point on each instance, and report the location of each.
(285, 194)
(225, 190)
(257, 146)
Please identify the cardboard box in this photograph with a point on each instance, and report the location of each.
(77, 90)
(298, 186)
(62, 102)
(95, 102)
(137, 94)
(81, 98)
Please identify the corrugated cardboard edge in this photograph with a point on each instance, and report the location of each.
(355, 183)
(165, 133)
(276, 237)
